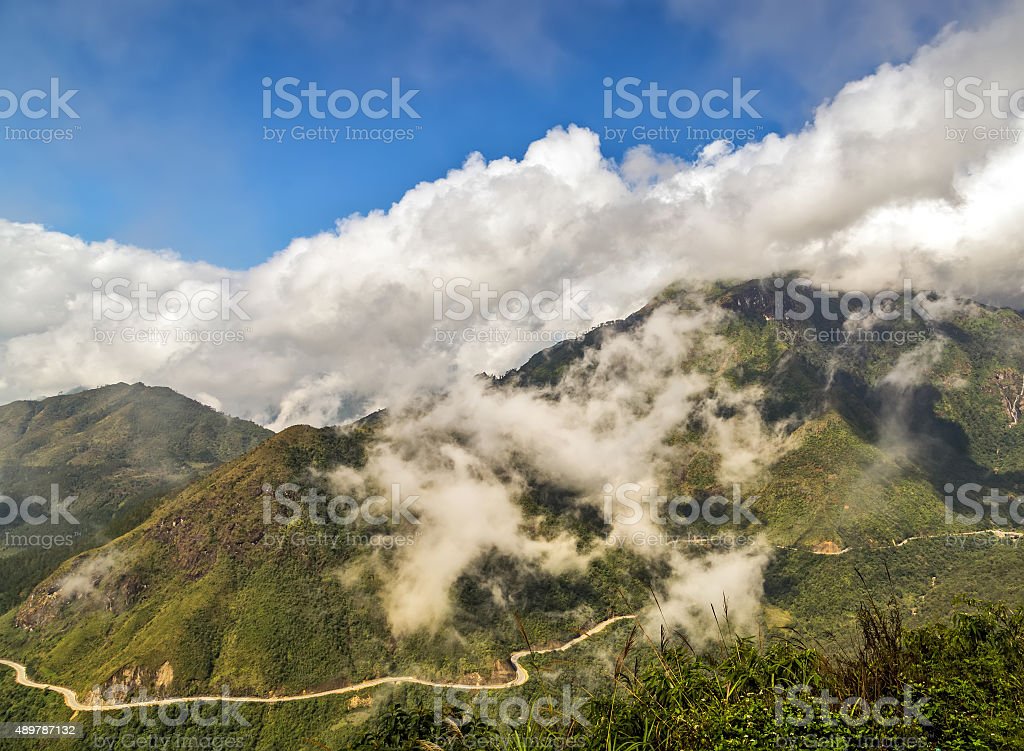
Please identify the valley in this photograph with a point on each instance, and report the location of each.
(839, 455)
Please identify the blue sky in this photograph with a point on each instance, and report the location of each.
(169, 148)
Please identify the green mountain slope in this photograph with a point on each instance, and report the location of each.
(197, 587)
(117, 450)
(866, 435)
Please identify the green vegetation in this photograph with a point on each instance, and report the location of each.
(929, 577)
(181, 588)
(954, 685)
(119, 449)
(206, 587)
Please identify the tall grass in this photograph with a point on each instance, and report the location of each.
(664, 693)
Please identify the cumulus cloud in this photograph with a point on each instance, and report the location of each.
(874, 189)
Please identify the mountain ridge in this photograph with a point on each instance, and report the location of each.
(198, 588)
(116, 450)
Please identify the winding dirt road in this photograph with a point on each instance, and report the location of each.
(522, 676)
(997, 533)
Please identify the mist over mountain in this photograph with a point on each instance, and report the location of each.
(509, 506)
(492, 375)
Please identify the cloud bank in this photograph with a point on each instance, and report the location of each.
(876, 188)
(470, 456)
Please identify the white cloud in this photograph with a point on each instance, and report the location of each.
(869, 192)
(468, 456)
